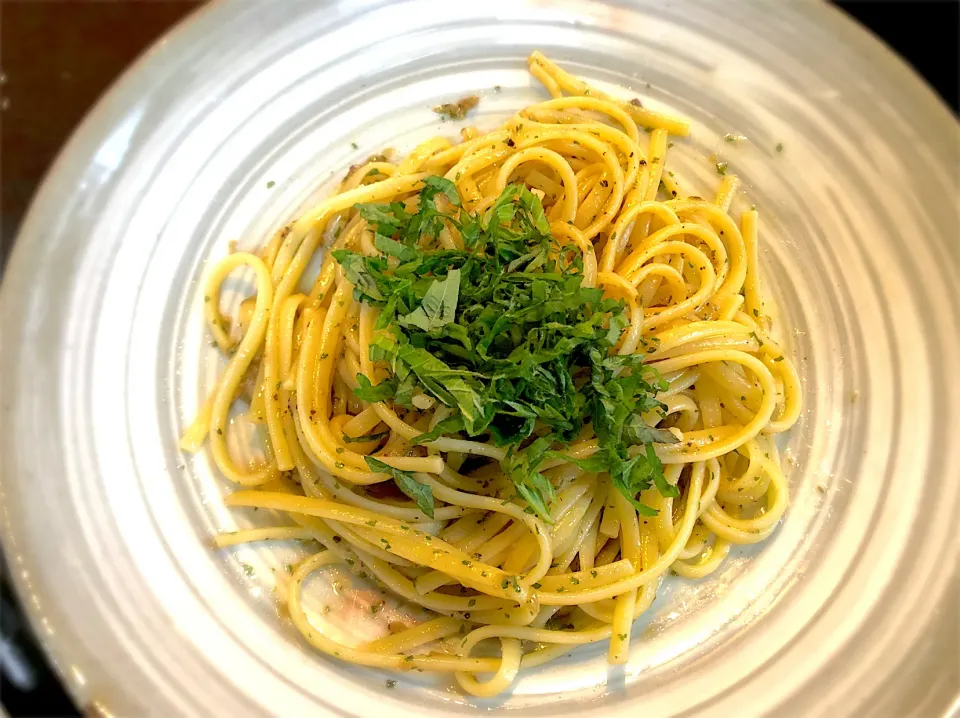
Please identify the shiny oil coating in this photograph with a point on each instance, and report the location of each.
(847, 609)
(585, 564)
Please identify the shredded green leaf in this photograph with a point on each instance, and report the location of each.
(504, 332)
(405, 481)
(366, 437)
(450, 425)
(438, 306)
(368, 392)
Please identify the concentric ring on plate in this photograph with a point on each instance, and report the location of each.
(107, 534)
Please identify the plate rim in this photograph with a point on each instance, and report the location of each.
(78, 152)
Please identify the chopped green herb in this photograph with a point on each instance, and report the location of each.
(438, 306)
(366, 437)
(248, 569)
(421, 493)
(721, 168)
(354, 145)
(391, 683)
(503, 332)
(779, 147)
(271, 184)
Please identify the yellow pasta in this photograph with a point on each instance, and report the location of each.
(487, 569)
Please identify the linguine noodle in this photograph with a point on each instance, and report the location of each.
(488, 569)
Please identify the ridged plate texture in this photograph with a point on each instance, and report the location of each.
(849, 609)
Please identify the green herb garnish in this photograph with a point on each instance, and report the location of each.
(420, 493)
(366, 437)
(503, 332)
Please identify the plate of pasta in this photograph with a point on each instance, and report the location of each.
(545, 357)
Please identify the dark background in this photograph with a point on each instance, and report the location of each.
(58, 56)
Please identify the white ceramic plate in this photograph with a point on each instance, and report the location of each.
(849, 609)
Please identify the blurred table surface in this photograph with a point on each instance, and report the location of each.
(58, 56)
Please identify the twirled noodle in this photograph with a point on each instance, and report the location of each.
(688, 275)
